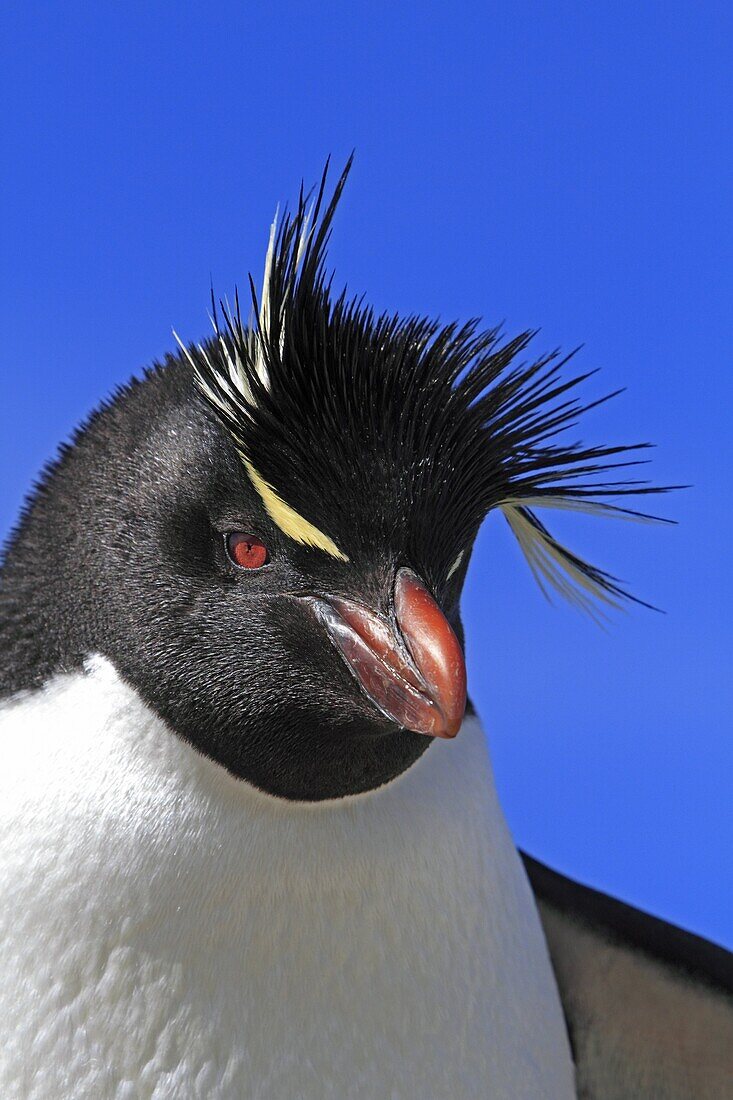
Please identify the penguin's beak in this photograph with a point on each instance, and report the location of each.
(410, 666)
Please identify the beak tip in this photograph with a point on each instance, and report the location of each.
(453, 725)
(448, 734)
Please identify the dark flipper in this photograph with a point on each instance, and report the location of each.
(649, 1007)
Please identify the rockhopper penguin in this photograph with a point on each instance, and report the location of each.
(250, 844)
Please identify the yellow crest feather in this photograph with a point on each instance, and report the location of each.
(288, 520)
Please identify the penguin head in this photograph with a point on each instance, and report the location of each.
(269, 533)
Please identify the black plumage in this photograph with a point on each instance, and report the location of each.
(394, 437)
(404, 430)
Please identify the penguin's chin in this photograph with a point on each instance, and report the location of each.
(355, 763)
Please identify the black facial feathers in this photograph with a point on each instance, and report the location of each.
(403, 430)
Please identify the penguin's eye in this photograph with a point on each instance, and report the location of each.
(246, 551)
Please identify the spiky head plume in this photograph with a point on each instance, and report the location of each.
(360, 431)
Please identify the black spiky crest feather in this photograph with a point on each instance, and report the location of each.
(381, 428)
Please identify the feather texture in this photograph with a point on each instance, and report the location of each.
(288, 520)
(381, 430)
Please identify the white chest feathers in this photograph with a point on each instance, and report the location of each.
(167, 931)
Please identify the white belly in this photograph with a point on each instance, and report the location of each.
(167, 931)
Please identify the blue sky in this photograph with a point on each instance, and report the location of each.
(560, 165)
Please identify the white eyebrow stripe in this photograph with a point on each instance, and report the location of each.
(455, 565)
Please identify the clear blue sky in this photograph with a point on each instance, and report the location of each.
(563, 165)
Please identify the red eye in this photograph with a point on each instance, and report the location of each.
(246, 551)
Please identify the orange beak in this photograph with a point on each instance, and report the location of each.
(412, 669)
